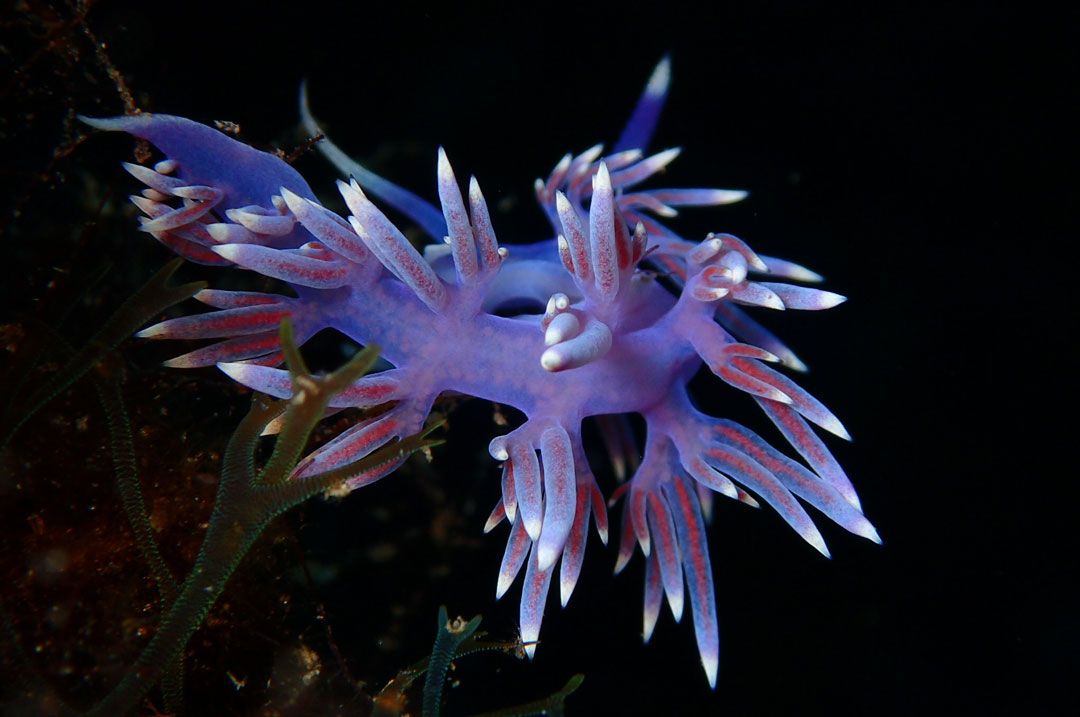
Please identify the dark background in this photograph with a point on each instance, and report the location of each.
(920, 158)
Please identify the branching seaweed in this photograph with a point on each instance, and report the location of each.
(107, 385)
(154, 297)
(553, 705)
(451, 635)
(131, 499)
(247, 500)
(455, 639)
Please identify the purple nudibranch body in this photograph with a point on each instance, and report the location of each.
(612, 341)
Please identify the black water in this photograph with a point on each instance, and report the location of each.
(918, 158)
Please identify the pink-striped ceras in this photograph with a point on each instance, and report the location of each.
(612, 340)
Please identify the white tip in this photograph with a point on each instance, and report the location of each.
(505, 581)
(219, 231)
(649, 624)
(546, 556)
(446, 172)
(772, 301)
(676, 605)
(794, 362)
(813, 536)
(552, 360)
(148, 203)
(562, 327)
(562, 204)
(868, 531)
(497, 448)
(727, 488)
(151, 331)
(234, 370)
(666, 157)
(98, 122)
(776, 394)
(730, 196)
(801, 273)
(533, 526)
(828, 299)
(563, 164)
(178, 362)
(566, 589)
(493, 521)
(833, 426)
(590, 155)
(199, 193)
(705, 250)
(709, 662)
(660, 79)
(602, 180)
(564, 246)
(166, 166)
(291, 198)
(231, 252)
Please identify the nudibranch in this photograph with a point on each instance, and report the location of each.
(609, 339)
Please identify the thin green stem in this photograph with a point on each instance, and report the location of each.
(131, 498)
(154, 297)
(244, 506)
(448, 638)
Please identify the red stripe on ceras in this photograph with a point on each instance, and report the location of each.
(372, 390)
(245, 319)
(637, 515)
(698, 551)
(745, 444)
(373, 434)
(599, 511)
(622, 240)
(747, 466)
(517, 546)
(667, 545)
(626, 541)
(242, 347)
(190, 250)
(576, 539)
(220, 299)
(314, 269)
(741, 380)
(752, 449)
(799, 430)
(508, 495)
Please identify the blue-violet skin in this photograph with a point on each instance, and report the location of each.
(611, 340)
